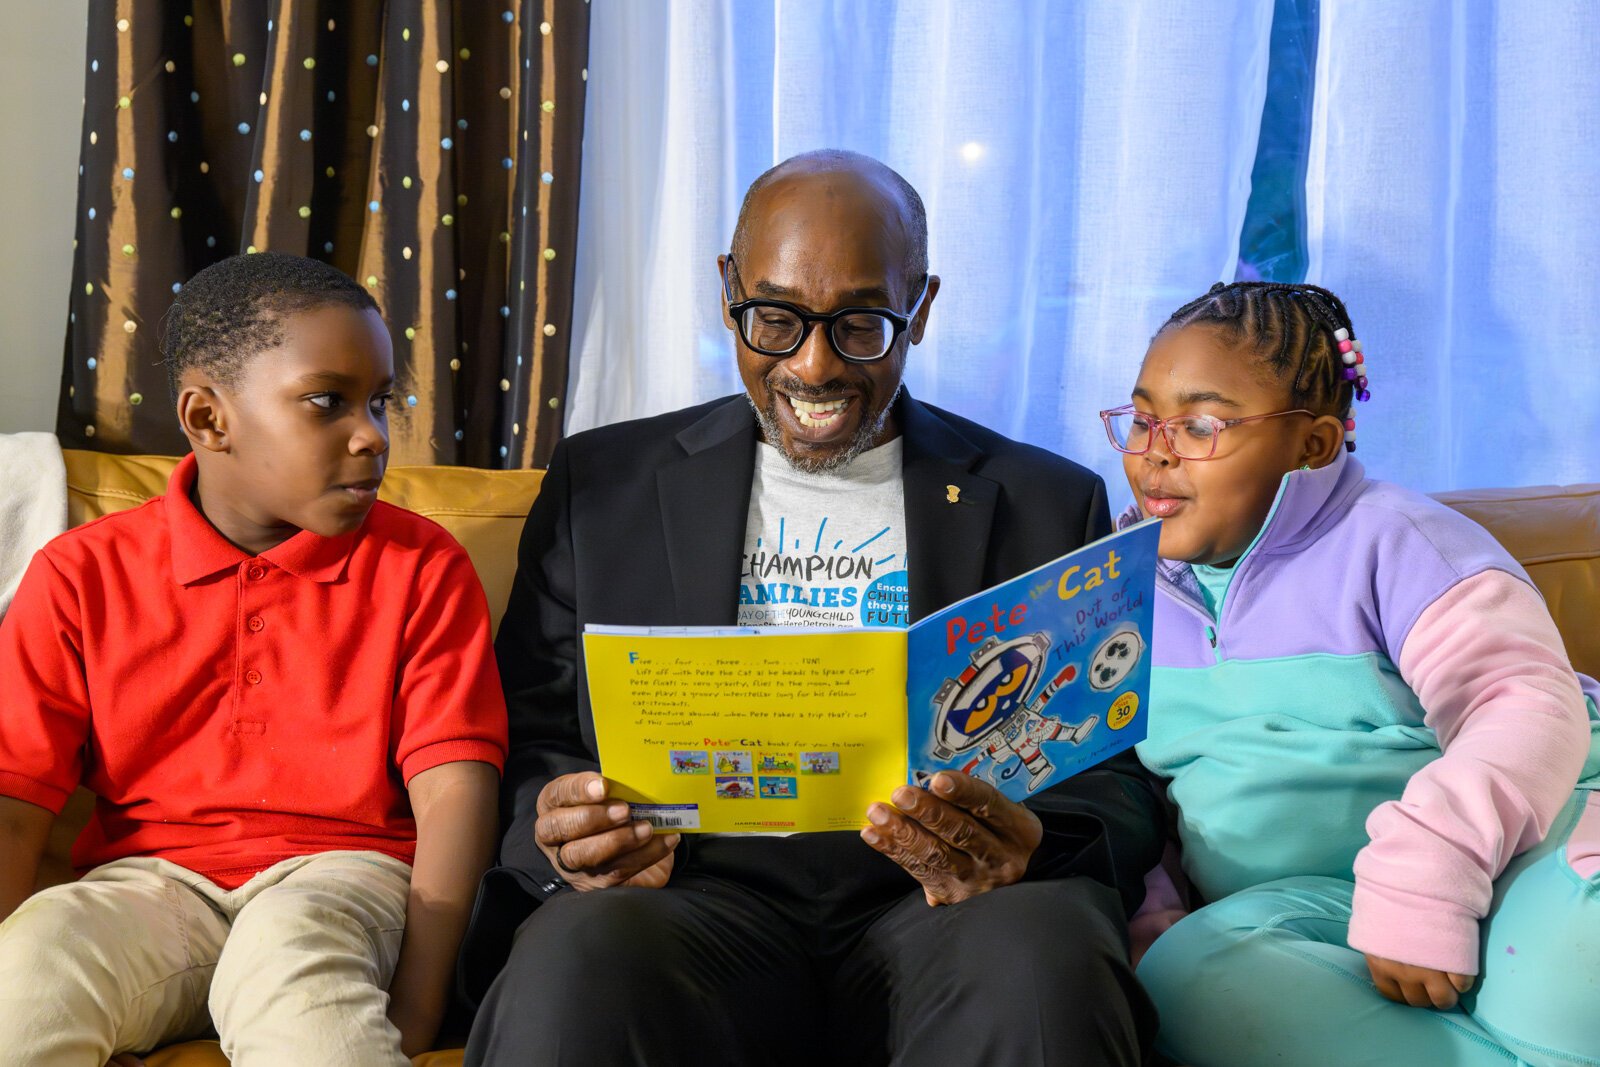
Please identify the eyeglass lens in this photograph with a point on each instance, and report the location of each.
(1189, 437)
(777, 331)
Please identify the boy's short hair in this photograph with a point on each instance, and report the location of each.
(234, 309)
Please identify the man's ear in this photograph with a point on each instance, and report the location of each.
(919, 322)
(1323, 441)
(203, 415)
(722, 272)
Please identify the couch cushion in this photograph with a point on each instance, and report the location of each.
(484, 510)
(1554, 532)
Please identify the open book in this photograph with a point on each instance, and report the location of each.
(748, 729)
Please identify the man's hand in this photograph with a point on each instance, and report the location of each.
(960, 837)
(1420, 987)
(593, 843)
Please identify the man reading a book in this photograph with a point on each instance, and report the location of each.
(957, 926)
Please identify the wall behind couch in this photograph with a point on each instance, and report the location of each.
(42, 45)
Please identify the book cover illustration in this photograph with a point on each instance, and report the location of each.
(1038, 677)
(741, 729)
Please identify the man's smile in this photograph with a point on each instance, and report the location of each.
(821, 420)
(813, 413)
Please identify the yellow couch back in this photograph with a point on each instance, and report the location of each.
(484, 510)
(1554, 531)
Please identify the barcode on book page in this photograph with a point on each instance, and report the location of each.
(669, 816)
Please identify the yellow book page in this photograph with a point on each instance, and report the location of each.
(770, 732)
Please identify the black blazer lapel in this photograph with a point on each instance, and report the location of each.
(947, 541)
(705, 497)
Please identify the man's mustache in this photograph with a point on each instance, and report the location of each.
(801, 391)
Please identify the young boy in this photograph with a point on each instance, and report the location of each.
(284, 696)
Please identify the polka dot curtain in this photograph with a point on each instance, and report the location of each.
(428, 148)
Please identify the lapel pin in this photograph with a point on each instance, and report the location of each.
(952, 494)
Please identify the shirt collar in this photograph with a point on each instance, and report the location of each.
(199, 551)
(1307, 500)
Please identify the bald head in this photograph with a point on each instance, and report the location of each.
(833, 172)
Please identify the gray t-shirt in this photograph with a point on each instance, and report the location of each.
(826, 550)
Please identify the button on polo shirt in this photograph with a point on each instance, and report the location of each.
(231, 711)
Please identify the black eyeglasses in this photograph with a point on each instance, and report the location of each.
(777, 328)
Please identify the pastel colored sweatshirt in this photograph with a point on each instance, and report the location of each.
(1380, 695)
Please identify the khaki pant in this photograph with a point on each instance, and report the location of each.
(290, 968)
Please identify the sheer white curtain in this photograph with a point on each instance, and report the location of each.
(1085, 166)
(1453, 199)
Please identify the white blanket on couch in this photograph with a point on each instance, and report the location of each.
(33, 503)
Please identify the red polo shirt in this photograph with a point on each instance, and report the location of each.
(232, 711)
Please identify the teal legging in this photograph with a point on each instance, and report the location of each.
(1265, 977)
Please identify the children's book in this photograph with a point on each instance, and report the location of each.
(744, 729)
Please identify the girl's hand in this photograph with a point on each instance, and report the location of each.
(1420, 987)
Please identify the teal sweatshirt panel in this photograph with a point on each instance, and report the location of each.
(1275, 764)
(1214, 583)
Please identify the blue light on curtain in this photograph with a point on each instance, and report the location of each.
(1087, 167)
(1085, 170)
(1453, 199)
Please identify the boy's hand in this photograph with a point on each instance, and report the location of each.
(1420, 987)
(593, 842)
(959, 837)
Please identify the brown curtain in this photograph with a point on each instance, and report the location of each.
(429, 148)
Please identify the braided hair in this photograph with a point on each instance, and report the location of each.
(1302, 330)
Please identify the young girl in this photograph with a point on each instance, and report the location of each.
(1382, 762)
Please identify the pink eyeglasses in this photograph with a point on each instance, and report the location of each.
(1132, 431)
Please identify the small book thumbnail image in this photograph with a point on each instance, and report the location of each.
(779, 787)
(776, 762)
(690, 761)
(819, 763)
(732, 762)
(736, 787)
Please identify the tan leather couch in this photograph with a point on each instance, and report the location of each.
(1554, 531)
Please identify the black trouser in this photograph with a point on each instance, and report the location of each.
(816, 950)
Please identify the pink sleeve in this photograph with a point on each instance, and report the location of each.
(1492, 675)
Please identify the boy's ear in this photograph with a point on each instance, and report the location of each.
(203, 415)
(1323, 441)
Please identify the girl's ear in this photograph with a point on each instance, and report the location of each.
(1322, 442)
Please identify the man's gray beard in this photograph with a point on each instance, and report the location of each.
(860, 442)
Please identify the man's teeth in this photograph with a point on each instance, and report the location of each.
(809, 413)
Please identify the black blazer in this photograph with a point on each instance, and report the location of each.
(642, 523)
